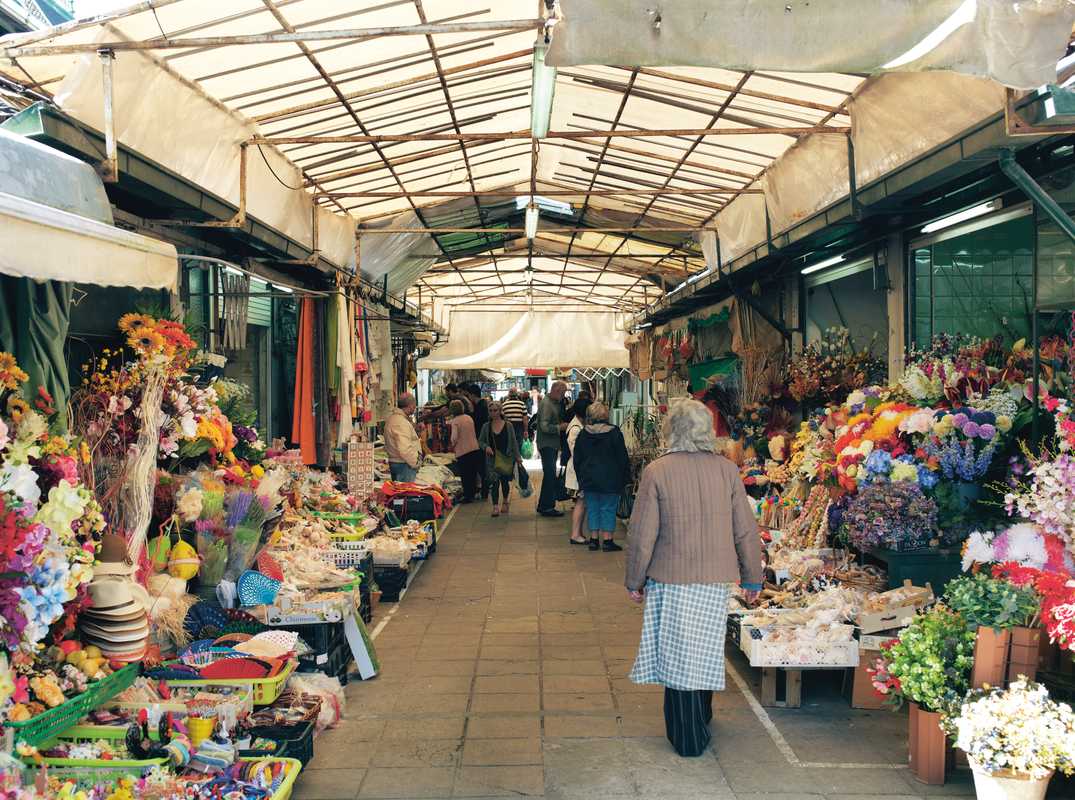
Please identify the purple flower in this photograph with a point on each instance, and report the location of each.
(987, 431)
(971, 429)
(959, 420)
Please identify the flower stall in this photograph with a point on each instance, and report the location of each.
(182, 604)
(955, 482)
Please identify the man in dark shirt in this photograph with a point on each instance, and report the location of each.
(481, 417)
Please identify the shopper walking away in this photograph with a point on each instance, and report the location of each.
(497, 440)
(480, 414)
(571, 482)
(465, 446)
(401, 441)
(549, 428)
(603, 467)
(693, 538)
(515, 413)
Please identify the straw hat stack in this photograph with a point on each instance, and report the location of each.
(116, 622)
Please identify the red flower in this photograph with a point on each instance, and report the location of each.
(44, 402)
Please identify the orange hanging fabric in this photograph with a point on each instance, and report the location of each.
(302, 425)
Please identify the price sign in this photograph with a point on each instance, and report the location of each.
(360, 469)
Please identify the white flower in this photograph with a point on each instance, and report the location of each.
(21, 481)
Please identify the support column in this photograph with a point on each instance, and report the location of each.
(896, 296)
(109, 168)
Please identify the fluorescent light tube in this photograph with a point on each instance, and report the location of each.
(542, 89)
(531, 221)
(828, 262)
(961, 216)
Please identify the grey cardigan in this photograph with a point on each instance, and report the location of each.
(692, 523)
(485, 439)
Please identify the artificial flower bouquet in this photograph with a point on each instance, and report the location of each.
(1016, 732)
(827, 370)
(985, 601)
(930, 662)
(50, 523)
(963, 442)
(1057, 593)
(894, 514)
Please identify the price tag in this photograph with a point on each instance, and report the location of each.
(360, 469)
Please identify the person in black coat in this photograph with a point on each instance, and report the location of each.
(602, 466)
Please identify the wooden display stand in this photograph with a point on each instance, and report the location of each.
(792, 685)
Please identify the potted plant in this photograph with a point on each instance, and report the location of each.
(992, 607)
(930, 665)
(1015, 739)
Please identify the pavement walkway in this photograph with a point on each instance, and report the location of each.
(504, 674)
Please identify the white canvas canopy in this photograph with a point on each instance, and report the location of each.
(504, 340)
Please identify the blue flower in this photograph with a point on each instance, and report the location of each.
(927, 478)
(879, 462)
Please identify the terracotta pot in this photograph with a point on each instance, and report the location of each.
(375, 598)
(990, 657)
(930, 754)
(1024, 653)
(1007, 785)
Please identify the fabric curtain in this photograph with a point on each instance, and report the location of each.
(34, 318)
(303, 430)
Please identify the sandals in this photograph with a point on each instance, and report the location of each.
(496, 512)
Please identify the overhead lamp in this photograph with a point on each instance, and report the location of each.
(828, 262)
(542, 89)
(962, 216)
(531, 223)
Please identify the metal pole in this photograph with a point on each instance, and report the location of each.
(545, 193)
(109, 168)
(183, 43)
(437, 231)
(1021, 178)
(483, 136)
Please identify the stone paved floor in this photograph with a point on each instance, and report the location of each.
(504, 674)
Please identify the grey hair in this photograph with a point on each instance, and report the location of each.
(689, 428)
(597, 412)
(405, 400)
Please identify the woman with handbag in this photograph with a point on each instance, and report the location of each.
(501, 448)
(571, 481)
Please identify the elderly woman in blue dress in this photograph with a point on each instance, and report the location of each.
(693, 540)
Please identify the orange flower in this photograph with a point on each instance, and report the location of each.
(134, 323)
(17, 408)
(146, 341)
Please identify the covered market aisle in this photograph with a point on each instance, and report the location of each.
(504, 675)
(779, 297)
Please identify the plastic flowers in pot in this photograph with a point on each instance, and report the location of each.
(992, 602)
(931, 660)
(1014, 734)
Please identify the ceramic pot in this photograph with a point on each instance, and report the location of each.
(969, 493)
(990, 657)
(1007, 785)
(1024, 653)
(930, 754)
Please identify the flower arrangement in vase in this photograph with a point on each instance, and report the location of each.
(1015, 739)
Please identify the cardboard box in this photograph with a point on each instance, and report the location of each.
(873, 641)
(862, 693)
(897, 616)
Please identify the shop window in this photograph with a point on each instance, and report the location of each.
(979, 283)
(848, 301)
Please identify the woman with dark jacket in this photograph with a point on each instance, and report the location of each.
(497, 440)
(602, 467)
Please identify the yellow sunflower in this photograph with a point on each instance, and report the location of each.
(146, 341)
(134, 323)
(17, 407)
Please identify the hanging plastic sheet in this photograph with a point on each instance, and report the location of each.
(899, 117)
(741, 225)
(403, 257)
(178, 126)
(1017, 44)
(810, 176)
(511, 340)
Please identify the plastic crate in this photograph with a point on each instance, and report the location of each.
(392, 581)
(294, 741)
(802, 653)
(349, 559)
(266, 690)
(243, 699)
(93, 733)
(66, 715)
(335, 663)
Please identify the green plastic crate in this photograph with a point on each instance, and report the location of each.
(66, 715)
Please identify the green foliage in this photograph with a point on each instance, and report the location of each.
(992, 603)
(932, 660)
(234, 401)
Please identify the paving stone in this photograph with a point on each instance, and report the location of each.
(577, 701)
(493, 666)
(519, 701)
(574, 667)
(501, 752)
(580, 726)
(596, 766)
(485, 727)
(329, 784)
(431, 702)
(500, 684)
(449, 727)
(416, 753)
(500, 781)
(408, 782)
(574, 683)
